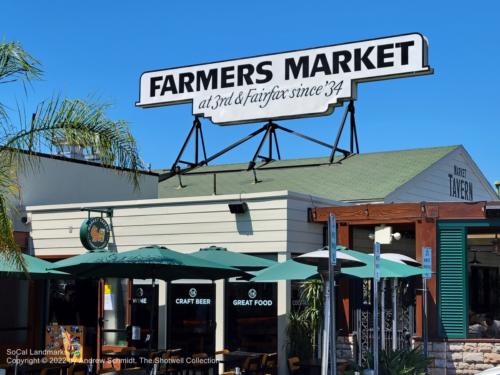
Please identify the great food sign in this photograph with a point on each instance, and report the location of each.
(293, 84)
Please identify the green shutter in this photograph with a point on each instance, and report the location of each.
(452, 282)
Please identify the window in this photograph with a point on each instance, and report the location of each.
(252, 317)
(192, 317)
(483, 264)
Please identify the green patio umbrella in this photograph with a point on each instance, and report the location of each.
(241, 261)
(388, 268)
(152, 262)
(36, 268)
(289, 270)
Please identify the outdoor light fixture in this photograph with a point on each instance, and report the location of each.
(383, 235)
(474, 260)
(238, 208)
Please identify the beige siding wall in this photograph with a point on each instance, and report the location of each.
(303, 236)
(275, 223)
(433, 184)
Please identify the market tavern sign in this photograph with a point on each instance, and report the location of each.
(459, 186)
(94, 233)
(284, 85)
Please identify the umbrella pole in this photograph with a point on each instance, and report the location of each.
(153, 285)
(326, 329)
(382, 314)
(333, 327)
(394, 314)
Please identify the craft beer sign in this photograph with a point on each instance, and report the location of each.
(293, 84)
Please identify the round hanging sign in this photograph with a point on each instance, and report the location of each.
(94, 233)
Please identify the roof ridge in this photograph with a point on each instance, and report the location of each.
(270, 163)
(358, 177)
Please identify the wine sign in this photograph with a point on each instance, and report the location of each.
(294, 84)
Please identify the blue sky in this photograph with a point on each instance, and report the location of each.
(100, 48)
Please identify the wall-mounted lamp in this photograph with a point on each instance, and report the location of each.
(238, 208)
(383, 235)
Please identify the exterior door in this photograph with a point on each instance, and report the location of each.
(192, 317)
(252, 317)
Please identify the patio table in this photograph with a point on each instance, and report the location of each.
(135, 355)
(235, 356)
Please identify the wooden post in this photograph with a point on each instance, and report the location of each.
(344, 239)
(425, 235)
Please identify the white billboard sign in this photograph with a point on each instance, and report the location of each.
(300, 83)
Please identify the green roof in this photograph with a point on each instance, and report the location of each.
(370, 176)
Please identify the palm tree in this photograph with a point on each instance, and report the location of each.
(77, 122)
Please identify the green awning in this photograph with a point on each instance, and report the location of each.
(152, 262)
(36, 269)
(289, 270)
(241, 261)
(388, 269)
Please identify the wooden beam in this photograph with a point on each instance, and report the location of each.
(401, 212)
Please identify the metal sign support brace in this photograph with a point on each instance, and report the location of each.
(198, 134)
(354, 134)
(270, 135)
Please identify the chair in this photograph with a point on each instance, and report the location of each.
(202, 366)
(105, 370)
(127, 349)
(269, 364)
(77, 369)
(58, 370)
(252, 365)
(294, 365)
(171, 362)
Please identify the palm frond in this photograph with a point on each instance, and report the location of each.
(8, 192)
(82, 124)
(16, 65)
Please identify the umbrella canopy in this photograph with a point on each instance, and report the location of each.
(152, 262)
(36, 269)
(233, 259)
(289, 270)
(319, 258)
(388, 268)
(400, 258)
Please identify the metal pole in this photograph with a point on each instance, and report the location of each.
(394, 314)
(375, 326)
(332, 262)
(333, 326)
(326, 329)
(376, 276)
(426, 338)
(382, 314)
(153, 284)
